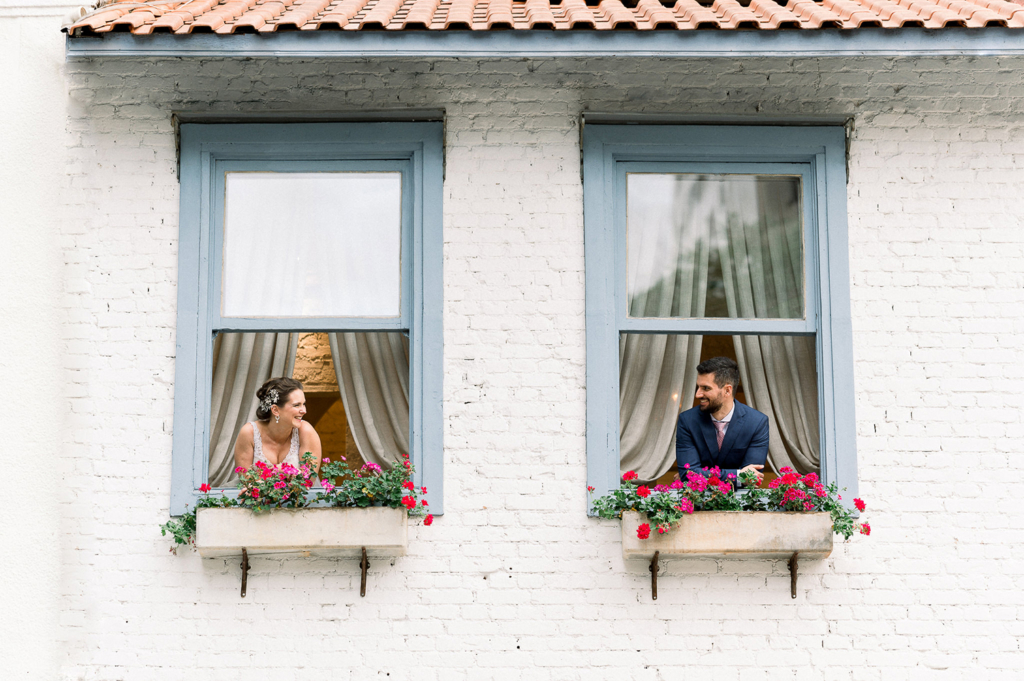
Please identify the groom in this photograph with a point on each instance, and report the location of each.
(721, 431)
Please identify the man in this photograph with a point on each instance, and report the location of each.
(721, 431)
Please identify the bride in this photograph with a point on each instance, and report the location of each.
(279, 434)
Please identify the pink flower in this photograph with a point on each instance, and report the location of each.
(629, 475)
(662, 529)
(644, 531)
(676, 484)
(786, 469)
(724, 487)
(819, 490)
(328, 487)
(811, 479)
(643, 491)
(325, 460)
(240, 469)
(429, 520)
(285, 497)
(280, 485)
(204, 488)
(865, 529)
(685, 505)
(255, 493)
(372, 467)
(859, 503)
(808, 506)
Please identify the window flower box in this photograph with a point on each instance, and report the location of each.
(380, 530)
(733, 533)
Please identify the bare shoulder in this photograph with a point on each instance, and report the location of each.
(307, 433)
(245, 435)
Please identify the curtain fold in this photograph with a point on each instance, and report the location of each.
(242, 362)
(762, 267)
(373, 378)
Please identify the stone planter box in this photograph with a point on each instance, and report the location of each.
(306, 531)
(733, 533)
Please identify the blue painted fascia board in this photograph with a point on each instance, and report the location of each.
(862, 42)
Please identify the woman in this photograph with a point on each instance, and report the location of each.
(279, 434)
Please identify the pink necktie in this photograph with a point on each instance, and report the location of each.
(720, 427)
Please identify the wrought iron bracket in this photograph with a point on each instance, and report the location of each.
(654, 575)
(793, 564)
(364, 564)
(245, 569)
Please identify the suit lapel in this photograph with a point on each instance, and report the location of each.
(710, 437)
(733, 431)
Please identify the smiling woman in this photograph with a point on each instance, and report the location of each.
(279, 432)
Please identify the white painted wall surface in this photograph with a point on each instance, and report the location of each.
(515, 581)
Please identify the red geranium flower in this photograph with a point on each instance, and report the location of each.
(859, 503)
(643, 491)
(408, 485)
(865, 529)
(644, 531)
(590, 488)
(408, 502)
(429, 520)
(204, 488)
(629, 475)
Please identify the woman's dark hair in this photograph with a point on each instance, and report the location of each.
(274, 391)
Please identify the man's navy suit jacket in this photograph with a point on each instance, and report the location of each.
(745, 443)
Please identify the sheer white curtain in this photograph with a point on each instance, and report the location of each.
(373, 377)
(762, 265)
(242, 362)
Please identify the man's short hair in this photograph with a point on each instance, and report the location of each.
(726, 371)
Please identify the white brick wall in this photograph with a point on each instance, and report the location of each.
(515, 581)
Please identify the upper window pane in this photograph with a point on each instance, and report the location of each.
(322, 244)
(707, 246)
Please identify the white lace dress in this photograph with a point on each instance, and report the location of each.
(257, 448)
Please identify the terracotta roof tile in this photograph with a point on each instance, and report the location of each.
(265, 16)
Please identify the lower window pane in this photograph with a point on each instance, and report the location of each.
(355, 385)
(657, 381)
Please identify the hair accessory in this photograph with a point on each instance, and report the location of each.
(269, 400)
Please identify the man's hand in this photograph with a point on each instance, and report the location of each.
(752, 468)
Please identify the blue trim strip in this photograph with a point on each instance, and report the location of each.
(697, 44)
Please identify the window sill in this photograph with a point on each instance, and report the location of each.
(733, 533)
(380, 531)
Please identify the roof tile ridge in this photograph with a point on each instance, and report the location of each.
(499, 14)
(340, 14)
(538, 13)
(298, 13)
(934, 15)
(656, 13)
(381, 14)
(617, 14)
(853, 13)
(735, 14)
(814, 15)
(977, 16)
(421, 14)
(460, 12)
(696, 14)
(578, 14)
(894, 12)
(774, 14)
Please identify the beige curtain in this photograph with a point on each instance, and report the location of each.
(242, 362)
(762, 265)
(373, 377)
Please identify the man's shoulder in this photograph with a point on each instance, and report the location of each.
(750, 412)
(691, 415)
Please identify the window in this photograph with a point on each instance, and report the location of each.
(312, 251)
(707, 241)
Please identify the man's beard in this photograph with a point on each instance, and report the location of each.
(711, 408)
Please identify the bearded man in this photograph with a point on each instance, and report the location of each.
(719, 431)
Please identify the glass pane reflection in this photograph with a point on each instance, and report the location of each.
(714, 246)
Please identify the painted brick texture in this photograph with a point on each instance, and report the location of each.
(515, 581)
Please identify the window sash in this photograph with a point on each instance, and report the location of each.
(609, 151)
(760, 325)
(209, 150)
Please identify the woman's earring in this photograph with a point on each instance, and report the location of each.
(277, 419)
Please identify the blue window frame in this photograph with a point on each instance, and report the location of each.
(208, 153)
(815, 155)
